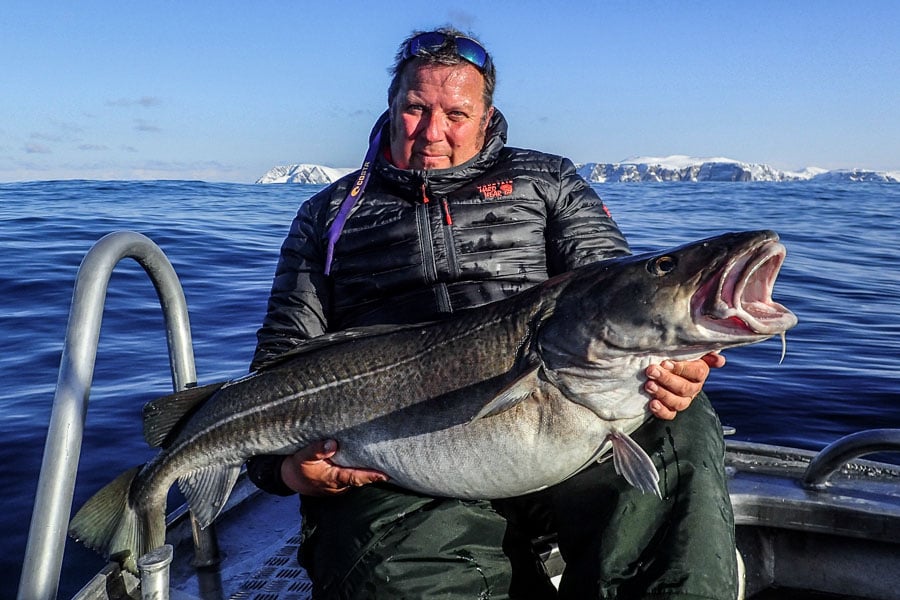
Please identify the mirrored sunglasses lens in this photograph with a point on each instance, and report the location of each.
(428, 41)
(471, 51)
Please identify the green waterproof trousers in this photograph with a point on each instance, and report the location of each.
(380, 541)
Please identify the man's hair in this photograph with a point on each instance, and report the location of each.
(445, 55)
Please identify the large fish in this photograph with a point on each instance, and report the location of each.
(494, 402)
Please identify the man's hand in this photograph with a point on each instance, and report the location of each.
(311, 472)
(672, 385)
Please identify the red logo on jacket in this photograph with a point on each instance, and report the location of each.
(496, 189)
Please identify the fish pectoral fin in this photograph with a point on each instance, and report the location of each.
(511, 395)
(207, 490)
(163, 415)
(632, 463)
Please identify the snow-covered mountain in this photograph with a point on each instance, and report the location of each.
(646, 168)
(303, 173)
(686, 168)
(859, 175)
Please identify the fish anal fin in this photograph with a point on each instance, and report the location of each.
(207, 490)
(163, 415)
(633, 463)
(511, 395)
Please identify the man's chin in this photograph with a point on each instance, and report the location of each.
(430, 163)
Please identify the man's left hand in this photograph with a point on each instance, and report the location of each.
(672, 385)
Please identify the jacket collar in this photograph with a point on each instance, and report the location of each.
(441, 179)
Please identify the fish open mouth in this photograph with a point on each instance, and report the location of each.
(737, 299)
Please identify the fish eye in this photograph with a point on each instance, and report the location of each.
(662, 265)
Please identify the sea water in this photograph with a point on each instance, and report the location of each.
(841, 277)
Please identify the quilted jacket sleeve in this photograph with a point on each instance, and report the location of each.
(580, 229)
(297, 310)
(298, 304)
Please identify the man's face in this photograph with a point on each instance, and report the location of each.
(438, 117)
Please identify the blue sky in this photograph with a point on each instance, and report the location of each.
(222, 91)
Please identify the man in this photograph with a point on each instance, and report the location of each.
(443, 216)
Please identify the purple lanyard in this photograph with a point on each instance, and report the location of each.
(337, 226)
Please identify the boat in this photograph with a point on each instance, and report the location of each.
(809, 525)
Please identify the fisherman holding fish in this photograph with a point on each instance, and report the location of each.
(444, 216)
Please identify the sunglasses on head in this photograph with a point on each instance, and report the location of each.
(466, 48)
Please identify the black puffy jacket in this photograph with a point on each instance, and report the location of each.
(421, 244)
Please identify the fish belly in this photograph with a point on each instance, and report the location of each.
(536, 444)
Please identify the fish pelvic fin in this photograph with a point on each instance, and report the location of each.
(108, 524)
(163, 416)
(633, 463)
(511, 395)
(207, 490)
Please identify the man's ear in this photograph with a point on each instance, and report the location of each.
(487, 121)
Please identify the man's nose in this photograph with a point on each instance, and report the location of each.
(433, 127)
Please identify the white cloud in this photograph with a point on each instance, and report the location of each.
(46, 137)
(145, 101)
(145, 125)
(35, 148)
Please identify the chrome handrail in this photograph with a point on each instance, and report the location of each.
(849, 447)
(56, 484)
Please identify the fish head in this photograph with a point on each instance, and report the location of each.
(682, 303)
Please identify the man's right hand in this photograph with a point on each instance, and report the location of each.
(311, 472)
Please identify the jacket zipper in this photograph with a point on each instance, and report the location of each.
(453, 262)
(429, 262)
(426, 242)
(448, 219)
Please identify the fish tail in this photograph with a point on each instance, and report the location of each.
(109, 524)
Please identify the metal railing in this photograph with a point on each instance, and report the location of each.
(849, 447)
(53, 502)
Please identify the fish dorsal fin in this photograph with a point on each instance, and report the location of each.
(161, 416)
(632, 463)
(511, 395)
(206, 491)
